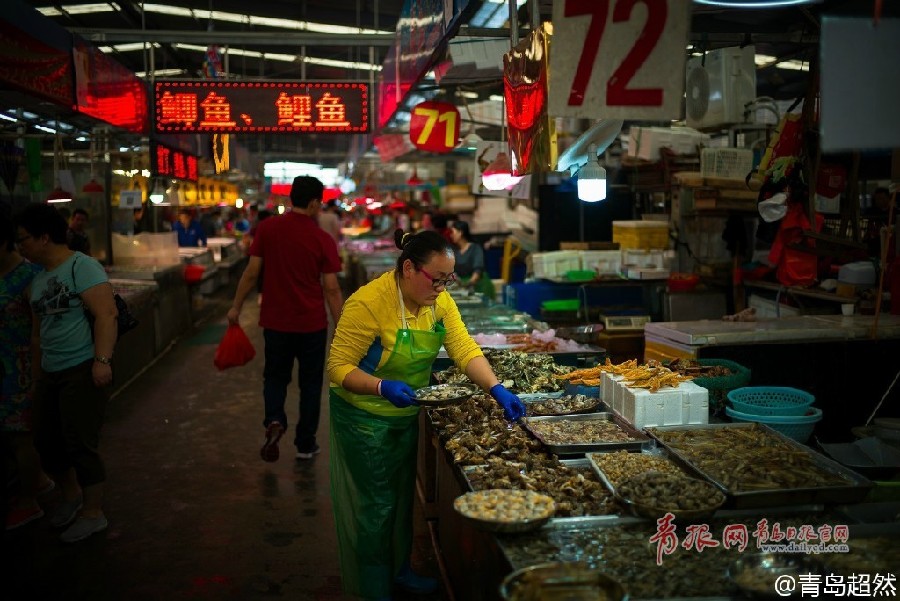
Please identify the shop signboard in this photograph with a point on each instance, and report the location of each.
(434, 126)
(170, 162)
(213, 106)
(618, 59)
(106, 90)
(33, 66)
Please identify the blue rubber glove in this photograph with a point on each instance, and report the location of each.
(513, 408)
(398, 393)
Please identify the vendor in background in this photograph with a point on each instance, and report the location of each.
(470, 260)
(387, 338)
(330, 221)
(138, 224)
(878, 215)
(76, 235)
(189, 231)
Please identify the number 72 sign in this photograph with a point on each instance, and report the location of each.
(619, 59)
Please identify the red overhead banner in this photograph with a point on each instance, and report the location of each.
(106, 90)
(261, 106)
(35, 67)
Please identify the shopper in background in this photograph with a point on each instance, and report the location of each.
(189, 231)
(76, 235)
(138, 224)
(470, 260)
(16, 391)
(386, 340)
(330, 221)
(301, 264)
(878, 215)
(73, 375)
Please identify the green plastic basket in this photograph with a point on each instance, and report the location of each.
(719, 387)
(569, 304)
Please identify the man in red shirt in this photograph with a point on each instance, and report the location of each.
(301, 263)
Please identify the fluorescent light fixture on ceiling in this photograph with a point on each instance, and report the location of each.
(46, 129)
(756, 3)
(288, 58)
(214, 15)
(162, 73)
(793, 65)
(8, 118)
(493, 14)
(129, 47)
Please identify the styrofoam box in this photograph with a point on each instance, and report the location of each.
(645, 142)
(601, 261)
(685, 404)
(610, 391)
(555, 263)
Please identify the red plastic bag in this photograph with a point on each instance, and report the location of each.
(235, 349)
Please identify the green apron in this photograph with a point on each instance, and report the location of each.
(373, 467)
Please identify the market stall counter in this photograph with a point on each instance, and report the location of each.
(692, 555)
(137, 348)
(839, 359)
(172, 312)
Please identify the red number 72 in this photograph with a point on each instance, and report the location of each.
(617, 91)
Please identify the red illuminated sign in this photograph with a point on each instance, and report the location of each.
(434, 126)
(169, 162)
(261, 106)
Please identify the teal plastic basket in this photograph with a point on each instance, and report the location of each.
(770, 400)
(798, 427)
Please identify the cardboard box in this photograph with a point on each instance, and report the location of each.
(588, 246)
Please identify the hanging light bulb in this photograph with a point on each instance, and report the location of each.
(592, 178)
(498, 175)
(471, 141)
(157, 195)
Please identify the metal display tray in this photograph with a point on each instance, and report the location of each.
(581, 463)
(598, 407)
(659, 451)
(855, 491)
(638, 441)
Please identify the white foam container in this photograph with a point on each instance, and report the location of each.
(683, 405)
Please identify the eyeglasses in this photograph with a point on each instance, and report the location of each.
(22, 239)
(446, 283)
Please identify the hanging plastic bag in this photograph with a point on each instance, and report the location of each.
(235, 349)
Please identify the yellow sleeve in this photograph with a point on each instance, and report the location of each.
(356, 330)
(460, 346)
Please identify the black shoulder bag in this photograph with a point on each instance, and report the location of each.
(125, 321)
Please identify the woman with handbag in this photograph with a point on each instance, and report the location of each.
(74, 370)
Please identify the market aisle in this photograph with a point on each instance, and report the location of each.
(194, 513)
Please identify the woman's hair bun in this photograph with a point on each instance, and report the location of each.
(401, 238)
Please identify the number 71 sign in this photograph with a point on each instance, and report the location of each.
(620, 59)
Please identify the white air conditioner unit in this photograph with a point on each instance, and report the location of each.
(718, 88)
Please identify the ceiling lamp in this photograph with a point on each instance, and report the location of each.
(471, 141)
(93, 186)
(498, 175)
(158, 194)
(58, 195)
(414, 180)
(592, 179)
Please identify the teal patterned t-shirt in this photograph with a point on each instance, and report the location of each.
(65, 333)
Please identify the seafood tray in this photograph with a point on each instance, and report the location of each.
(621, 548)
(569, 404)
(849, 486)
(636, 440)
(576, 490)
(610, 482)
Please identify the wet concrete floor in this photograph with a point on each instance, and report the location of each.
(194, 513)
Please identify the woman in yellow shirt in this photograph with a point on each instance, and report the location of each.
(387, 338)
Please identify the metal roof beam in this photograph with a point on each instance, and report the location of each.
(234, 38)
